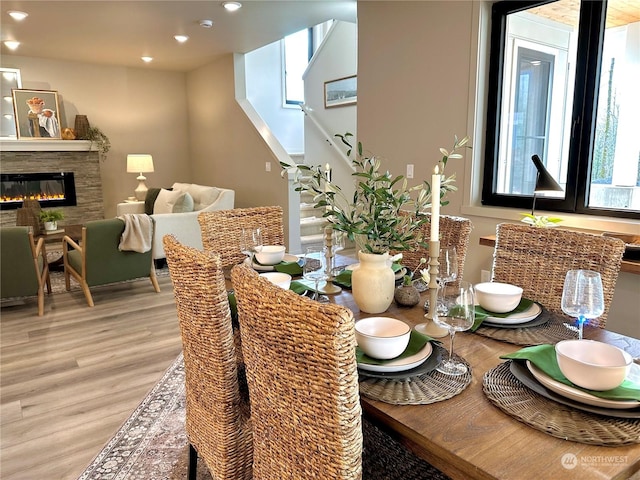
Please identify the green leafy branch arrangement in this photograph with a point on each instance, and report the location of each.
(385, 213)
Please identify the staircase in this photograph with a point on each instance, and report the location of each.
(311, 223)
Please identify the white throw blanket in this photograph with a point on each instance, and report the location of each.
(138, 232)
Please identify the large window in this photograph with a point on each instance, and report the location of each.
(298, 49)
(563, 85)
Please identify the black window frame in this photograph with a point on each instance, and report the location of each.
(583, 117)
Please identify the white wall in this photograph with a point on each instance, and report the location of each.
(336, 58)
(264, 89)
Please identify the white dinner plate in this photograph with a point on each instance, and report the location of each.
(580, 396)
(270, 268)
(516, 318)
(400, 364)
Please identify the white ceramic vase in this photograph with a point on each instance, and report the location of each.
(373, 283)
(50, 226)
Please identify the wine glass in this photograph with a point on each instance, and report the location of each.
(251, 242)
(448, 268)
(582, 296)
(456, 312)
(315, 269)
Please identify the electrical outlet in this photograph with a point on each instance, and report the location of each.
(267, 166)
(485, 276)
(410, 170)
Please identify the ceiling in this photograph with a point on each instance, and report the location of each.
(115, 32)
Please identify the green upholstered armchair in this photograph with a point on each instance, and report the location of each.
(98, 261)
(25, 270)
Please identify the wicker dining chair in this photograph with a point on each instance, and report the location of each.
(538, 259)
(222, 229)
(218, 418)
(454, 232)
(303, 384)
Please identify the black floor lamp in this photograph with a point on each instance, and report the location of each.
(544, 181)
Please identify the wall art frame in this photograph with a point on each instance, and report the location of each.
(341, 92)
(37, 114)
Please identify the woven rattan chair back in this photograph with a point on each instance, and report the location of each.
(454, 232)
(222, 230)
(218, 415)
(537, 259)
(303, 382)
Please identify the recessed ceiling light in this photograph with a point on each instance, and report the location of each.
(181, 38)
(8, 116)
(206, 23)
(147, 59)
(12, 45)
(17, 15)
(231, 6)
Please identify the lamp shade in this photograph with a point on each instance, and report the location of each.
(139, 163)
(544, 181)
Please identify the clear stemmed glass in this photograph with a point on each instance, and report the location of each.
(456, 313)
(251, 242)
(315, 269)
(448, 268)
(582, 296)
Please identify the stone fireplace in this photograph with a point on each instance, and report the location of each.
(33, 157)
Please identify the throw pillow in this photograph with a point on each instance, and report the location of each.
(203, 196)
(166, 200)
(150, 200)
(184, 204)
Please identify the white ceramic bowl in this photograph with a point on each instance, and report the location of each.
(382, 337)
(498, 297)
(270, 254)
(280, 279)
(593, 365)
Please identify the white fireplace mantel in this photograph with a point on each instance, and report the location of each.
(11, 145)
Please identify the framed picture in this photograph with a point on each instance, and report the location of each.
(341, 92)
(37, 114)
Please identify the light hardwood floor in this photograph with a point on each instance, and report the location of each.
(70, 378)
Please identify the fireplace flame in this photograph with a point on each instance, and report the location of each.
(33, 196)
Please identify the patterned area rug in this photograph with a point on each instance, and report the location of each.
(152, 444)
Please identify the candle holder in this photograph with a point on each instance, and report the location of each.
(430, 327)
(329, 288)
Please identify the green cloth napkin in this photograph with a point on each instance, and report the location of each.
(298, 287)
(544, 357)
(482, 314)
(343, 279)
(417, 341)
(292, 268)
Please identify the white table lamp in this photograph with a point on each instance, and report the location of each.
(140, 163)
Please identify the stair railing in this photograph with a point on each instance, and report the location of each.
(327, 137)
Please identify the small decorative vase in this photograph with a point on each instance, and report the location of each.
(406, 295)
(373, 282)
(50, 226)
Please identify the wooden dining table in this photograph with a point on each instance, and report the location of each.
(467, 437)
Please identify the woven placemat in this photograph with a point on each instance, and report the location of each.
(551, 332)
(420, 390)
(512, 397)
